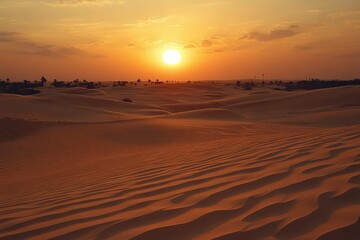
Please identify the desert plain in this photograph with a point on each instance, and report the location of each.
(181, 161)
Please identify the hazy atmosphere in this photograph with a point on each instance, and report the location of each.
(180, 120)
(125, 40)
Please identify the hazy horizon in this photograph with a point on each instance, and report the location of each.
(170, 80)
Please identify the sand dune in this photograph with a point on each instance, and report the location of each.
(199, 161)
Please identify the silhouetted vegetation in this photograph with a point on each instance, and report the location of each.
(310, 84)
(313, 84)
(77, 83)
(156, 82)
(27, 87)
(246, 85)
(120, 84)
(138, 83)
(43, 81)
(22, 88)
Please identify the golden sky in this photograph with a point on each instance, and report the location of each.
(228, 39)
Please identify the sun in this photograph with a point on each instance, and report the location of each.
(171, 57)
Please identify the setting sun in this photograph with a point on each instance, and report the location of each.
(171, 57)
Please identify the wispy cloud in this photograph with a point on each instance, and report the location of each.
(6, 36)
(53, 51)
(189, 46)
(216, 44)
(212, 3)
(340, 14)
(68, 3)
(314, 11)
(146, 21)
(350, 55)
(310, 46)
(206, 43)
(272, 35)
(72, 3)
(22, 45)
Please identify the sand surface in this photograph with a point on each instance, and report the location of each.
(183, 161)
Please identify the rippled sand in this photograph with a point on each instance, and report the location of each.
(182, 161)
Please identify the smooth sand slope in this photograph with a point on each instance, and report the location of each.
(183, 161)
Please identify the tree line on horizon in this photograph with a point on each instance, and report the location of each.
(314, 84)
(311, 84)
(26, 87)
(138, 83)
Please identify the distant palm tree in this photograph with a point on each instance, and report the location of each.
(43, 81)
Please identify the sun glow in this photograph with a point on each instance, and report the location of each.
(171, 57)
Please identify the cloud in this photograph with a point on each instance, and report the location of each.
(190, 46)
(216, 44)
(314, 11)
(352, 13)
(25, 46)
(272, 35)
(6, 36)
(146, 21)
(202, 44)
(310, 46)
(350, 55)
(53, 51)
(68, 3)
(206, 43)
(293, 26)
(212, 3)
(15, 38)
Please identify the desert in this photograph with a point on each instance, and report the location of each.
(203, 160)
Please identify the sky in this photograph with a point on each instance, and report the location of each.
(223, 40)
